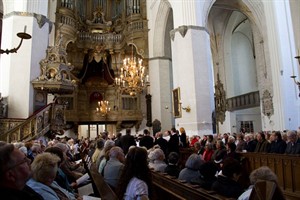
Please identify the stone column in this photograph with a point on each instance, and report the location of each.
(22, 67)
(192, 73)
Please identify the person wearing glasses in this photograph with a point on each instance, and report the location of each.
(14, 172)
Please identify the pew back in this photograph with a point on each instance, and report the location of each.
(172, 188)
(286, 167)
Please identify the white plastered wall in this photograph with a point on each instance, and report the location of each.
(21, 67)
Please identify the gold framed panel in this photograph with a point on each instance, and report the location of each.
(176, 103)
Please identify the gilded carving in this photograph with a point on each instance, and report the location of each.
(267, 103)
(220, 101)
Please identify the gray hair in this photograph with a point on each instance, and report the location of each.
(194, 162)
(156, 154)
(108, 144)
(6, 150)
(292, 134)
(115, 151)
(43, 166)
(263, 173)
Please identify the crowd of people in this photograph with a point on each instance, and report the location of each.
(35, 170)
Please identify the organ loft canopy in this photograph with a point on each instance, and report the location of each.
(92, 40)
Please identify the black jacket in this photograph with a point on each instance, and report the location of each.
(227, 187)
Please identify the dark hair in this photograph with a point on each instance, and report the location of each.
(136, 165)
(57, 151)
(146, 131)
(128, 131)
(173, 158)
(208, 170)
(6, 150)
(231, 166)
(262, 135)
(100, 143)
(119, 135)
(278, 134)
(210, 138)
(231, 146)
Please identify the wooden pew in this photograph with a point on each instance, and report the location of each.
(167, 187)
(100, 187)
(286, 167)
(106, 193)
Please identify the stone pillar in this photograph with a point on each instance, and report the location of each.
(18, 69)
(160, 88)
(192, 73)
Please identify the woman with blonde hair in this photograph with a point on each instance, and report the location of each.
(44, 169)
(183, 138)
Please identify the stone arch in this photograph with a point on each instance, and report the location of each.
(252, 9)
(219, 19)
(164, 11)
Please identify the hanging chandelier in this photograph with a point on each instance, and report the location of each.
(103, 108)
(132, 78)
(294, 77)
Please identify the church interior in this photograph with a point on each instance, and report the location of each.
(80, 68)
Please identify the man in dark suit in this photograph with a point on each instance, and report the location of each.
(163, 143)
(293, 146)
(147, 141)
(127, 140)
(277, 144)
(173, 143)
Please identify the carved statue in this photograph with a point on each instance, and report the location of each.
(220, 100)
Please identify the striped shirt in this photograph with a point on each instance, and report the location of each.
(135, 189)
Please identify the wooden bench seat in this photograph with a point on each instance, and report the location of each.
(100, 187)
(167, 187)
(105, 192)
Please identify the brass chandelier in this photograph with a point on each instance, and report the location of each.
(132, 78)
(103, 108)
(294, 77)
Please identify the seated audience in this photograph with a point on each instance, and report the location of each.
(44, 170)
(191, 169)
(104, 155)
(219, 153)
(172, 168)
(198, 148)
(208, 152)
(114, 167)
(14, 173)
(277, 144)
(240, 142)
(263, 173)
(207, 175)
(157, 158)
(226, 183)
(293, 145)
(230, 151)
(251, 143)
(262, 144)
(99, 146)
(70, 168)
(61, 178)
(136, 178)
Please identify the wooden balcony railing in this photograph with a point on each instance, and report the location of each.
(34, 126)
